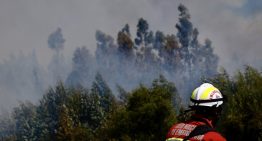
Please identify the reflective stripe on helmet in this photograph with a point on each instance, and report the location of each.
(174, 139)
(194, 93)
(206, 95)
(206, 101)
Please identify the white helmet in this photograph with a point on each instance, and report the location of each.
(206, 95)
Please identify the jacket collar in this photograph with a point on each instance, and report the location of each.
(201, 118)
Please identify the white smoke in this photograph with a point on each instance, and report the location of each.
(234, 27)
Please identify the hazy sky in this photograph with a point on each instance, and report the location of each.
(234, 26)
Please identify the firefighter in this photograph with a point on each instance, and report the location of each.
(206, 102)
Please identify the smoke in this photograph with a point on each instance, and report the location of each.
(233, 26)
(23, 78)
(58, 67)
(249, 8)
(20, 79)
(131, 61)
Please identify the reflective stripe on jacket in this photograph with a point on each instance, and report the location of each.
(181, 130)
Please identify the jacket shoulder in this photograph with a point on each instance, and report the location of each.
(213, 136)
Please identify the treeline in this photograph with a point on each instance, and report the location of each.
(130, 60)
(76, 114)
(145, 113)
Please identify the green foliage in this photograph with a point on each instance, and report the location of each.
(25, 121)
(103, 92)
(66, 114)
(48, 112)
(75, 114)
(242, 116)
(144, 37)
(125, 44)
(71, 130)
(7, 128)
(147, 115)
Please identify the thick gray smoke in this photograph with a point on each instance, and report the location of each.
(22, 78)
(58, 67)
(233, 26)
(181, 58)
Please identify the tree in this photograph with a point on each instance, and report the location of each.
(123, 95)
(65, 125)
(184, 27)
(57, 66)
(105, 47)
(242, 114)
(147, 115)
(209, 58)
(170, 54)
(125, 44)
(105, 95)
(144, 37)
(106, 56)
(187, 36)
(194, 43)
(56, 40)
(48, 112)
(159, 40)
(25, 121)
(83, 65)
(7, 128)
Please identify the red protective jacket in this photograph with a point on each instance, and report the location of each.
(179, 131)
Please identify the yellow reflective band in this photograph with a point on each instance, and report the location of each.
(206, 93)
(174, 139)
(193, 96)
